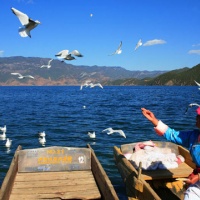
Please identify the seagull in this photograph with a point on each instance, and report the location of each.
(3, 129)
(190, 105)
(42, 140)
(138, 44)
(76, 53)
(96, 84)
(197, 83)
(119, 50)
(42, 134)
(48, 65)
(110, 131)
(21, 76)
(3, 136)
(86, 84)
(8, 143)
(27, 22)
(65, 55)
(92, 135)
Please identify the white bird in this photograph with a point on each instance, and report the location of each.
(8, 143)
(110, 131)
(3, 129)
(65, 55)
(76, 53)
(21, 76)
(42, 140)
(92, 135)
(138, 44)
(27, 22)
(95, 85)
(42, 134)
(86, 84)
(190, 105)
(48, 65)
(119, 50)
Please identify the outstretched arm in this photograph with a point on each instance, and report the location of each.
(150, 116)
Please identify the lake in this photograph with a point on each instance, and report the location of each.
(67, 114)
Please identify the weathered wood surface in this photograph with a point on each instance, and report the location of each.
(56, 185)
(162, 181)
(104, 184)
(89, 182)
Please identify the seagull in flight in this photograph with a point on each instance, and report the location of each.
(21, 76)
(111, 131)
(190, 105)
(86, 84)
(138, 44)
(65, 55)
(27, 22)
(48, 65)
(8, 143)
(119, 50)
(92, 135)
(197, 84)
(95, 85)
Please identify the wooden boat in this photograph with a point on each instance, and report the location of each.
(56, 173)
(157, 184)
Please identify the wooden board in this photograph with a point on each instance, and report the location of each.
(54, 159)
(55, 185)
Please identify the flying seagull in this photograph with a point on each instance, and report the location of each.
(65, 55)
(138, 44)
(110, 131)
(119, 50)
(86, 84)
(197, 83)
(27, 22)
(190, 105)
(21, 76)
(95, 85)
(48, 65)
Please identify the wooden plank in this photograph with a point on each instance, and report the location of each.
(104, 184)
(182, 171)
(60, 185)
(54, 159)
(10, 176)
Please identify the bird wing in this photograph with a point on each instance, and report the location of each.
(120, 46)
(76, 53)
(23, 18)
(50, 61)
(29, 76)
(197, 83)
(18, 74)
(121, 133)
(138, 44)
(108, 130)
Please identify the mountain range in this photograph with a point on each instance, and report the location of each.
(62, 73)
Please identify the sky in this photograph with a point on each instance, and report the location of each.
(169, 30)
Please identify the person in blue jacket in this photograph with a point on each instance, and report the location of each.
(188, 139)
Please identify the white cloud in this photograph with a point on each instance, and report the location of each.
(194, 51)
(154, 42)
(1, 52)
(194, 45)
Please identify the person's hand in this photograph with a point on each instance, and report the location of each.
(150, 116)
(192, 179)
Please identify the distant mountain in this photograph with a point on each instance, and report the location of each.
(178, 77)
(62, 73)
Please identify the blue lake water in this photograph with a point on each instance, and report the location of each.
(58, 110)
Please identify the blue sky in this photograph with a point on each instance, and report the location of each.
(65, 24)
